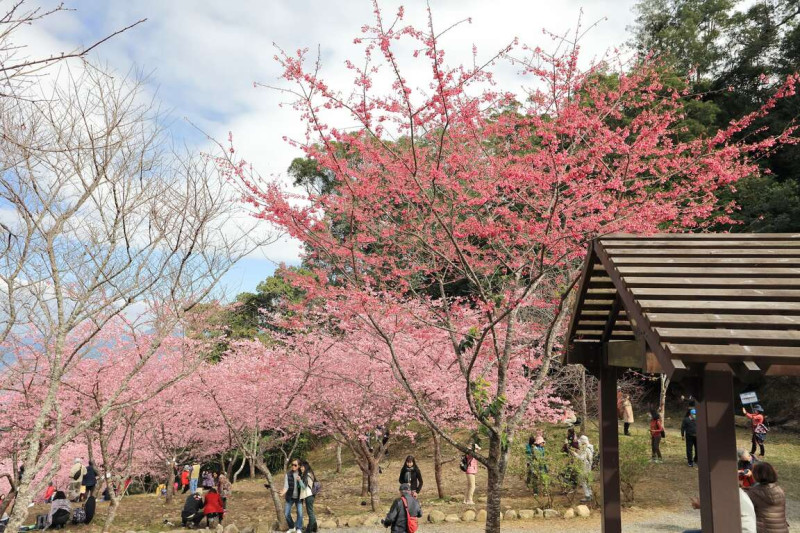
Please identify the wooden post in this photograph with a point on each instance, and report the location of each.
(609, 450)
(716, 451)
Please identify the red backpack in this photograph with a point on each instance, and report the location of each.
(411, 521)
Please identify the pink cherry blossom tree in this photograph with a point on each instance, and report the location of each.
(460, 205)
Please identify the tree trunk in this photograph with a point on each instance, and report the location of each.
(584, 408)
(241, 467)
(253, 469)
(275, 493)
(20, 511)
(10, 497)
(170, 482)
(338, 458)
(437, 464)
(364, 483)
(373, 487)
(662, 396)
(112, 509)
(494, 486)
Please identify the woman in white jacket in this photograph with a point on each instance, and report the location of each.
(585, 456)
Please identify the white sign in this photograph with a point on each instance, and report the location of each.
(748, 397)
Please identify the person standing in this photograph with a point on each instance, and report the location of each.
(89, 481)
(224, 489)
(627, 414)
(759, 428)
(769, 500)
(195, 475)
(291, 492)
(656, 434)
(585, 455)
(411, 475)
(76, 473)
(403, 507)
(470, 471)
(307, 494)
(689, 434)
(185, 478)
(208, 480)
(537, 464)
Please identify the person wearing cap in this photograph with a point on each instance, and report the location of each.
(406, 503)
(689, 434)
(536, 462)
(759, 429)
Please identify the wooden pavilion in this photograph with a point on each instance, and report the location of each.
(703, 308)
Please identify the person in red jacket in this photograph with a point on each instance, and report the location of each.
(656, 434)
(759, 429)
(185, 479)
(213, 505)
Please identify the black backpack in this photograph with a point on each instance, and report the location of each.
(464, 463)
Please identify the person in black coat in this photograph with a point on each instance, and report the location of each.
(192, 510)
(396, 519)
(689, 434)
(89, 481)
(411, 475)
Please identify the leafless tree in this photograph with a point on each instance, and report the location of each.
(102, 222)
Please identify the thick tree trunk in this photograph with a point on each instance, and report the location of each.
(373, 487)
(494, 486)
(253, 469)
(338, 458)
(7, 501)
(364, 483)
(20, 511)
(437, 464)
(170, 482)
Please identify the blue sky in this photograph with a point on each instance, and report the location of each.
(201, 58)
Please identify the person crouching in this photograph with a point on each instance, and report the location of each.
(192, 512)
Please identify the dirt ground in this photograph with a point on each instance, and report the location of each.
(662, 502)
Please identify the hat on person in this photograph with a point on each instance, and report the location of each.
(758, 408)
(584, 439)
(692, 411)
(405, 487)
(539, 440)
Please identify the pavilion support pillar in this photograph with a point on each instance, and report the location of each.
(609, 450)
(716, 451)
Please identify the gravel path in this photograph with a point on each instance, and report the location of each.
(639, 521)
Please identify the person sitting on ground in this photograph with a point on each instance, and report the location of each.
(192, 512)
(84, 514)
(213, 506)
(744, 467)
(411, 474)
(768, 499)
(60, 511)
(404, 506)
(49, 493)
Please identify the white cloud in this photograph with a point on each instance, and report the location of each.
(204, 55)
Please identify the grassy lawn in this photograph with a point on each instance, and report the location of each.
(665, 488)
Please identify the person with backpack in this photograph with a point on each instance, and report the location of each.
(689, 434)
(411, 474)
(76, 473)
(404, 513)
(308, 492)
(469, 465)
(291, 492)
(759, 428)
(60, 511)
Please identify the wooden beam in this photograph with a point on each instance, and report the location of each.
(583, 353)
(609, 451)
(653, 305)
(611, 321)
(716, 451)
(684, 292)
(746, 371)
(637, 317)
(586, 274)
